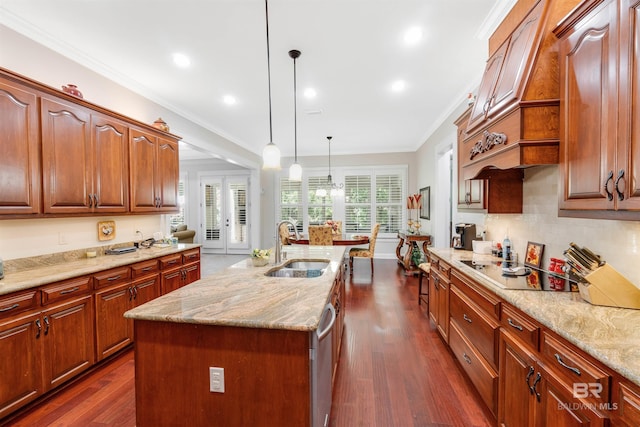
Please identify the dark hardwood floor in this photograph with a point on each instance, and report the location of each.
(394, 369)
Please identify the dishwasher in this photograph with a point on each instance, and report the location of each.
(321, 358)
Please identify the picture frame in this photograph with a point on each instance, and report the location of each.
(425, 209)
(533, 254)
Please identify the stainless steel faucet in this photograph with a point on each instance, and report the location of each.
(279, 240)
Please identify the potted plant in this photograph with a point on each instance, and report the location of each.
(260, 257)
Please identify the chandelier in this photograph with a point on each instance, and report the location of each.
(331, 187)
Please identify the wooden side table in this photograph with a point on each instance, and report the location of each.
(411, 240)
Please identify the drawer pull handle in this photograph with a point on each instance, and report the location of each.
(39, 326)
(2, 310)
(68, 291)
(111, 279)
(467, 318)
(172, 261)
(529, 374)
(564, 365)
(513, 325)
(46, 325)
(466, 358)
(147, 268)
(535, 384)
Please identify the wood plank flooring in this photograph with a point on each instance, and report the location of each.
(394, 370)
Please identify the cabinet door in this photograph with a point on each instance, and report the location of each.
(433, 297)
(69, 340)
(487, 86)
(168, 178)
(471, 194)
(20, 344)
(144, 290)
(629, 138)
(588, 112)
(171, 280)
(113, 330)
(111, 165)
(19, 150)
(443, 309)
(517, 62)
(517, 374)
(191, 273)
(66, 157)
(143, 174)
(558, 408)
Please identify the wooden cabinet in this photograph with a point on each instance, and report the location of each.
(19, 150)
(179, 270)
(439, 295)
(337, 300)
(48, 344)
(626, 403)
(600, 141)
(535, 391)
(470, 191)
(64, 156)
(154, 172)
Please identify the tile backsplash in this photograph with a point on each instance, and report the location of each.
(617, 242)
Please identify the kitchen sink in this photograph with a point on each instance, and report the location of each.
(307, 265)
(300, 268)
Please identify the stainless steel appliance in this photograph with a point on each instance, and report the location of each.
(465, 234)
(520, 277)
(321, 355)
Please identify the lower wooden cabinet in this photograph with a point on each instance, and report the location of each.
(439, 296)
(337, 299)
(179, 270)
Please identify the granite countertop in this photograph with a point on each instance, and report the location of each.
(241, 295)
(29, 273)
(611, 335)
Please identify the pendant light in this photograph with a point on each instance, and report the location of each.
(270, 153)
(334, 189)
(295, 171)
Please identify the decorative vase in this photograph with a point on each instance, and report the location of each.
(161, 124)
(259, 261)
(72, 90)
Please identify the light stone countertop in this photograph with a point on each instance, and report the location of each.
(611, 335)
(241, 295)
(29, 273)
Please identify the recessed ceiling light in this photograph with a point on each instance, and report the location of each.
(413, 35)
(229, 99)
(310, 92)
(181, 60)
(398, 86)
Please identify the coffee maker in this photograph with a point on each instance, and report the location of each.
(465, 234)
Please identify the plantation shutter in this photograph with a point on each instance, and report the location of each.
(357, 203)
(291, 202)
(389, 202)
(319, 208)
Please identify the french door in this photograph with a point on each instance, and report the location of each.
(225, 211)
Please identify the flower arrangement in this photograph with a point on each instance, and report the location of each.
(414, 202)
(334, 225)
(260, 257)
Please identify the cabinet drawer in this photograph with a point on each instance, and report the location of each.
(482, 331)
(144, 268)
(170, 261)
(190, 256)
(628, 404)
(477, 293)
(18, 302)
(573, 367)
(481, 374)
(520, 326)
(66, 289)
(444, 269)
(115, 276)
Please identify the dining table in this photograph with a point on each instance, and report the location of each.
(338, 240)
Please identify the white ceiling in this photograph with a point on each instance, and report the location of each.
(352, 51)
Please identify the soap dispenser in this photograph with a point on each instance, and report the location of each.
(506, 248)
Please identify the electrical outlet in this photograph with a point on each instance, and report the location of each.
(216, 380)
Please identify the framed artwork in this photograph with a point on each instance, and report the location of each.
(106, 230)
(533, 255)
(425, 209)
(533, 280)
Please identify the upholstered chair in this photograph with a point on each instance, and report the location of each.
(365, 252)
(284, 233)
(320, 235)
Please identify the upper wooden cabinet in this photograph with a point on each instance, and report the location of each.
(470, 191)
(502, 82)
(19, 150)
(154, 173)
(60, 155)
(600, 136)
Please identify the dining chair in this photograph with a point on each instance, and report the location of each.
(365, 252)
(320, 235)
(284, 233)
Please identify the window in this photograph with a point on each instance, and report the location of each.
(179, 218)
(370, 196)
(291, 202)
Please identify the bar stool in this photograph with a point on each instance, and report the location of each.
(424, 268)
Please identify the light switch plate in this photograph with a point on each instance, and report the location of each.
(216, 380)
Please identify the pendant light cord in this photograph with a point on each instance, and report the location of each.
(266, 14)
(330, 180)
(295, 113)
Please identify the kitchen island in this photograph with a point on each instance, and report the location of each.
(259, 329)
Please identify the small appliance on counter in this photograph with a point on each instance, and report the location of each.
(465, 234)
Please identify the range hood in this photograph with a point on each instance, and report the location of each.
(514, 122)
